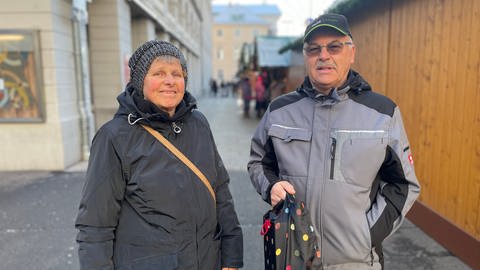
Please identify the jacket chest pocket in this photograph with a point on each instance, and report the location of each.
(356, 155)
(292, 149)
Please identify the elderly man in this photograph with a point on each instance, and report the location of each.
(339, 147)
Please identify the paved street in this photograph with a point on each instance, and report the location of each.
(37, 209)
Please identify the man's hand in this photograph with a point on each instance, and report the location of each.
(228, 268)
(279, 191)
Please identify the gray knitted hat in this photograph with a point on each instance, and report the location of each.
(143, 57)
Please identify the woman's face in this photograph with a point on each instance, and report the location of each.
(164, 84)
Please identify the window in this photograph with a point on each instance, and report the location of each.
(220, 54)
(219, 32)
(20, 77)
(236, 54)
(220, 74)
(237, 32)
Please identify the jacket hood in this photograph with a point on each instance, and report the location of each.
(136, 109)
(354, 83)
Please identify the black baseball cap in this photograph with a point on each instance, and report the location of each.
(329, 21)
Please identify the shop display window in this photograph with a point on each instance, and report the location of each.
(21, 98)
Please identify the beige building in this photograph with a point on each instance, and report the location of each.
(234, 26)
(63, 63)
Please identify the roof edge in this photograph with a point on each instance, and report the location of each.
(348, 7)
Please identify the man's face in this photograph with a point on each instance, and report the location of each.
(328, 58)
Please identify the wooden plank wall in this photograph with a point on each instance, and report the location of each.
(425, 55)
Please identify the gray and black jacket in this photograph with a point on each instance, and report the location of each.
(348, 157)
(142, 208)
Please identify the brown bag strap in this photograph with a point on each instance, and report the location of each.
(182, 157)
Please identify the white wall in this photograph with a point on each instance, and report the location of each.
(55, 143)
(110, 46)
(142, 31)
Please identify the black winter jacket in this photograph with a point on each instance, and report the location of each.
(142, 208)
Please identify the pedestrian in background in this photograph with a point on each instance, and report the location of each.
(339, 147)
(260, 96)
(246, 92)
(141, 207)
(213, 87)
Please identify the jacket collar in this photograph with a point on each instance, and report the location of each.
(354, 83)
(136, 109)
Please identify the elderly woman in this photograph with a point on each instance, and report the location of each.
(142, 207)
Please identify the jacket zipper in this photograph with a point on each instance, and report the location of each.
(371, 257)
(333, 147)
(324, 176)
(176, 128)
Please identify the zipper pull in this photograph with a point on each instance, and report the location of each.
(176, 128)
(332, 157)
(332, 148)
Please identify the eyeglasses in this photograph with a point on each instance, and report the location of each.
(334, 47)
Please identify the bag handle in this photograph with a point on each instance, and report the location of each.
(182, 157)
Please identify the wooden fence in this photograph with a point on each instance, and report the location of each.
(425, 55)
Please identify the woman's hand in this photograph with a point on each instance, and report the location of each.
(279, 191)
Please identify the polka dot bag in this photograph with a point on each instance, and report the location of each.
(289, 238)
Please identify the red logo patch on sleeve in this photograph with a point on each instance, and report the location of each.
(410, 158)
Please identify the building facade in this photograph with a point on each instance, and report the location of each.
(62, 69)
(233, 26)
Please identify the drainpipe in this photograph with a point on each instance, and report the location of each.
(80, 47)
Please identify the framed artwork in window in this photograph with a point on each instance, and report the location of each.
(21, 89)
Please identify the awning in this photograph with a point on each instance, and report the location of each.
(267, 49)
